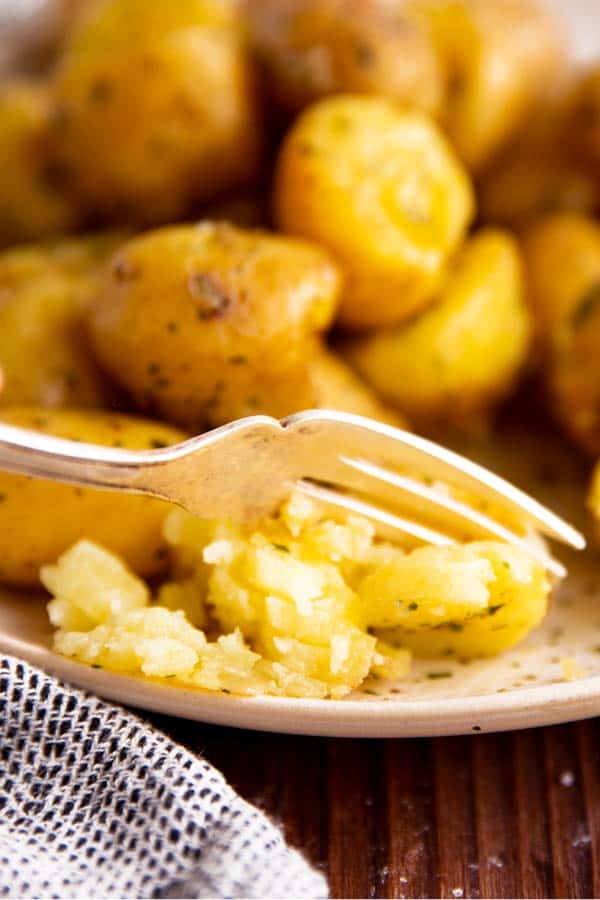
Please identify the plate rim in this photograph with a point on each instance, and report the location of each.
(525, 707)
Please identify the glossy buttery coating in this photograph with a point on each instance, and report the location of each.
(452, 363)
(207, 323)
(562, 260)
(44, 351)
(500, 57)
(34, 200)
(309, 49)
(40, 519)
(383, 191)
(172, 81)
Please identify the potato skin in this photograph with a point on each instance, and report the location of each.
(382, 190)
(336, 386)
(500, 57)
(583, 127)
(40, 519)
(537, 174)
(155, 107)
(34, 200)
(309, 49)
(44, 353)
(451, 364)
(562, 261)
(206, 323)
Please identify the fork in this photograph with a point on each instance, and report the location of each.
(414, 491)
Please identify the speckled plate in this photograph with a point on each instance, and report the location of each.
(523, 687)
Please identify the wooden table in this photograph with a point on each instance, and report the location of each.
(498, 815)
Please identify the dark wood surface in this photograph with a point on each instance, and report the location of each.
(498, 815)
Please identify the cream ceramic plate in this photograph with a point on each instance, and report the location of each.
(522, 688)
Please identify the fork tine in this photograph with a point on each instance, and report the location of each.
(359, 437)
(386, 523)
(399, 490)
(389, 525)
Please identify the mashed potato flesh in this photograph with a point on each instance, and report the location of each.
(301, 607)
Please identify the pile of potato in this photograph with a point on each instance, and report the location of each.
(211, 209)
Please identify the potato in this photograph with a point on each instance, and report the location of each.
(381, 189)
(44, 292)
(468, 601)
(500, 57)
(537, 176)
(562, 260)
(34, 198)
(311, 48)
(155, 107)
(206, 323)
(336, 386)
(40, 519)
(583, 128)
(452, 363)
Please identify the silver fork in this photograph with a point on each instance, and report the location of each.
(349, 463)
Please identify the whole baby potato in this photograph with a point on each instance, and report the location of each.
(537, 174)
(34, 199)
(383, 191)
(206, 323)
(562, 260)
(155, 107)
(583, 131)
(452, 363)
(44, 351)
(311, 48)
(40, 519)
(500, 57)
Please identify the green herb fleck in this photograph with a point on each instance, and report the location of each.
(492, 610)
(586, 306)
(412, 606)
(365, 55)
(158, 444)
(100, 91)
(434, 675)
(281, 547)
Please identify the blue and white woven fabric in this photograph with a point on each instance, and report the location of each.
(95, 803)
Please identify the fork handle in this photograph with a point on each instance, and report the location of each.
(32, 453)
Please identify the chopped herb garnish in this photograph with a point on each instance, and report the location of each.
(365, 55)
(158, 444)
(100, 91)
(281, 547)
(412, 606)
(586, 306)
(96, 666)
(433, 675)
(492, 610)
